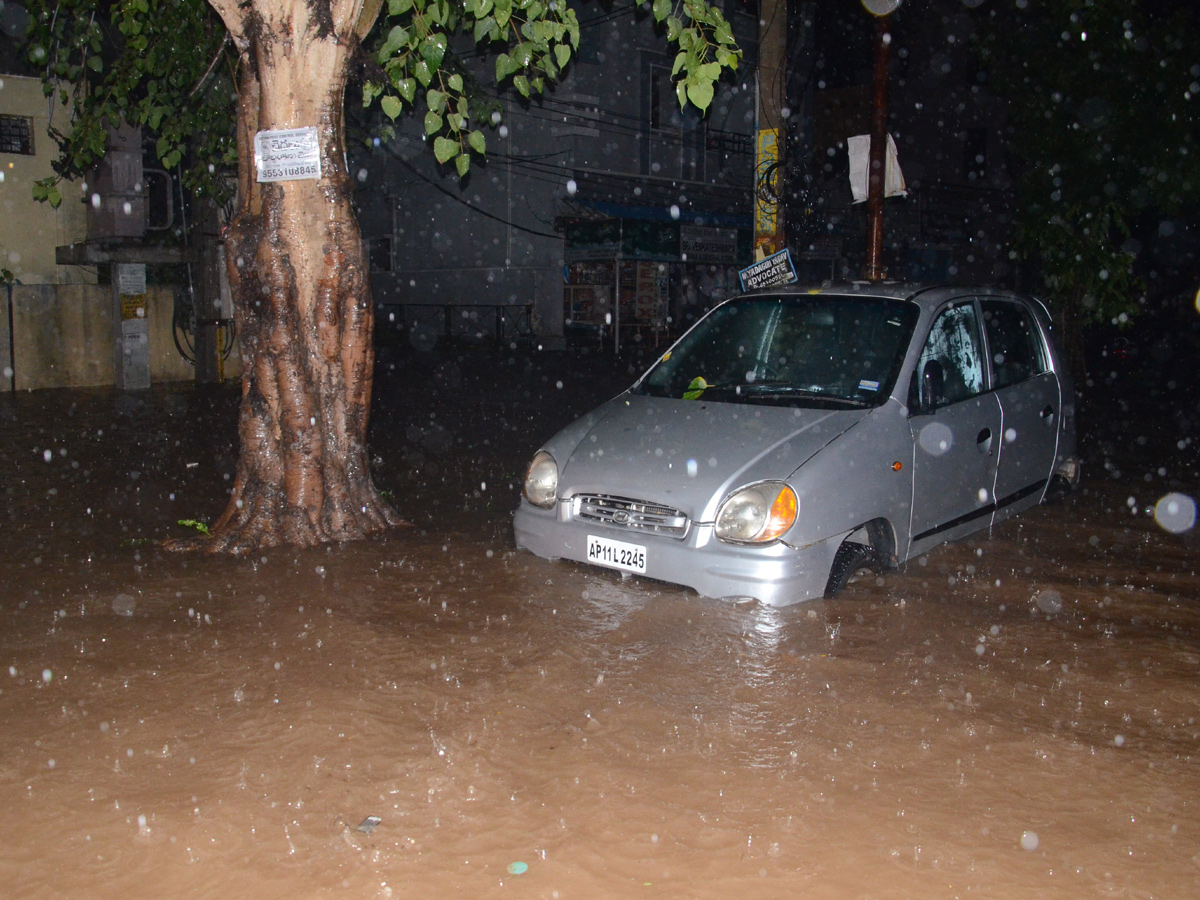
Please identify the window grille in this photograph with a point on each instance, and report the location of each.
(16, 135)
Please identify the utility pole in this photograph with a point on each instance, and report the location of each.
(772, 83)
(877, 163)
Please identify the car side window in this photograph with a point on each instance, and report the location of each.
(951, 365)
(1014, 341)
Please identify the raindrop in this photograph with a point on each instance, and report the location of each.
(1029, 840)
(936, 438)
(572, 187)
(674, 211)
(1049, 601)
(1175, 513)
(47, 675)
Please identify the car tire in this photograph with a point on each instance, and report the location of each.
(1060, 488)
(850, 559)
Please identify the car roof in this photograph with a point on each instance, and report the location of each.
(927, 296)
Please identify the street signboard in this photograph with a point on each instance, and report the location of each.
(774, 269)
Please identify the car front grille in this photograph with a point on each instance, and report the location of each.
(636, 515)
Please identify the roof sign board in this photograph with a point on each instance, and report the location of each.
(287, 155)
(774, 269)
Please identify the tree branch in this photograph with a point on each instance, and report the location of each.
(212, 65)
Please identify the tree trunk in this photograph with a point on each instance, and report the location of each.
(298, 274)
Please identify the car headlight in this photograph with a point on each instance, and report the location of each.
(541, 480)
(757, 514)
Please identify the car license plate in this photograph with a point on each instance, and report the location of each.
(616, 554)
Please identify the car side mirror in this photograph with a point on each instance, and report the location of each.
(933, 385)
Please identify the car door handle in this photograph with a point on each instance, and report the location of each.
(1048, 412)
(984, 441)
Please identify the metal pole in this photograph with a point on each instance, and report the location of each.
(12, 344)
(617, 305)
(877, 166)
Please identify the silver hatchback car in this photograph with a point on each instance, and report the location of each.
(794, 437)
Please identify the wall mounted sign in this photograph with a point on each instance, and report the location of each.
(290, 154)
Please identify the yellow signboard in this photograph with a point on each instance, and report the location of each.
(133, 306)
(766, 209)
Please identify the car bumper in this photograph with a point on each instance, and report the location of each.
(776, 574)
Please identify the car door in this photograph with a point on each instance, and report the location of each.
(1030, 402)
(956, 431)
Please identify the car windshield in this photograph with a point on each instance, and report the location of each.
(829, 351)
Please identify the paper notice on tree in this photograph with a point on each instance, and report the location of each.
(287, 155)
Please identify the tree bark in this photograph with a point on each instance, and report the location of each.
(298, 274)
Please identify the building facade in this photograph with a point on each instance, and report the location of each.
(601, 212)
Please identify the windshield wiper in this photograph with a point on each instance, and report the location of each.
(778, 389)
(767, 391)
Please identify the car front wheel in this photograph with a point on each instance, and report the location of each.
(851, 559)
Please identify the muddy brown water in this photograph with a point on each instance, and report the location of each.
(1015, 715)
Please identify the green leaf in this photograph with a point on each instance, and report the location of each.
(505, 66)
(433, 50)
(661, 8)
(435, 100)
(433, 122)
(407, 88)
(399, 7)
(46, 190)
(193, 523)
(396, 39)
(95, 63)
(478, 142)
(681, 93)
(424, 75)
(391, 106)
(455, 82)
(562, 53)
(503, 12)
(521, 83)
(462, 164)
(700, 94)
(445, 149)
(483, 28)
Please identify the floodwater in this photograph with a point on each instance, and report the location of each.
(1013, 716)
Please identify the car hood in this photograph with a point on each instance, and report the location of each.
(688, 454)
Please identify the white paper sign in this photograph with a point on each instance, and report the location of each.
(287, 155)
(131, 278)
